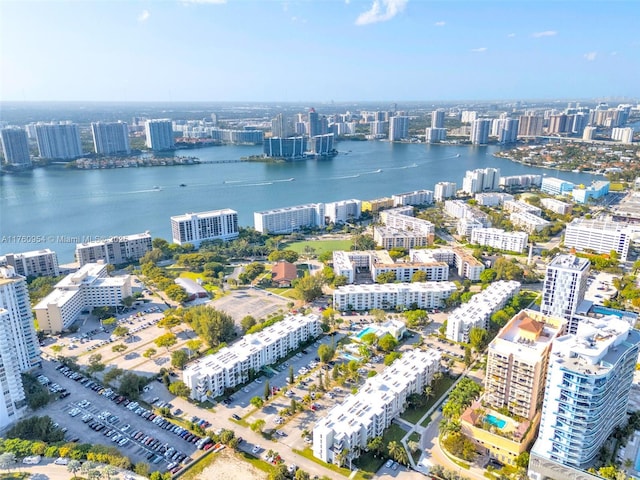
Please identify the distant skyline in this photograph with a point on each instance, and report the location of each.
(338, 50)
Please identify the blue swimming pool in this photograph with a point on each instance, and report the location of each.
(366, 330)
(638, 462)
(495, 421)
(348, 356)
(611, 311)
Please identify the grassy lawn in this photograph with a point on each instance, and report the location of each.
(285, 292)
(393, 433)
(192, 275)
(413, 415)
(368, 464)
(308, 453)
(320, 246)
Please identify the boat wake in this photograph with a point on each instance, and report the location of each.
(255, 184)
(345, 176)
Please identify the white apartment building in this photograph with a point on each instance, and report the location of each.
(481, 179)
(589, 132)
(491, 199)
(389, 238)
(115, 250)
(466, 226)
(402, 219)
(444, 190)
(556, 206)
(342, 211)
(529, 222)
(86, 289)
(600, 236)
(556, 186)
(520, 206)
(623, 135)
(498, 238)
(417, 197)
(289, 219)
(196, 228)
(521, 181)
(58, 140)
(565, 284)
(477, 311)
(159, 134)
(15, 146)
(435, 135)
(348, 263)
(458, 209)
(587, 391)
(398, 128)
(36, 263)
(18, 328)
(388, 296)
(110, 138)
(517, 363)
(465, 264)
(480, 131)
(370, 411)
(208, 377)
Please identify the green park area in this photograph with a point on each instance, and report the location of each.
(319, 246)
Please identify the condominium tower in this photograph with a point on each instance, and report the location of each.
(114, 250)
(159, 133)
(110, 138)
(195, 228)
(398, 128)
(58, 140)
(480, 131)
(15, 146)
(36, 263)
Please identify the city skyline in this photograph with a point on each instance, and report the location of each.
(404, 50)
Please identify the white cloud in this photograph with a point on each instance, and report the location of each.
(381, 11)
(511, 35)
(546, 33)
(144, 16)
(440, 24)
(479, 50)
(591, 56)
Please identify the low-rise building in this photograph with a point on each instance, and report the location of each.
(529, 222)
(520, 206)
(84, 290)
(556, 206)
(115, 250)
(289, 219)
(377, 204)
(491, 199)
(418, 197)
(465, 264)
(365, 415)
(342, 211)
(478, 311)
(402, 220)
(192, 289)
(444, 190)
(518, 181)
(386, 296)
(210, 376)
(388, 238)
(498, 238)
(36, 263)
(600, 236)
(596, 190)
(556, 186)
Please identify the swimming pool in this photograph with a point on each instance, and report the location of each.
(611, 311)
(348, 356)
(367, 330)
(495, 421)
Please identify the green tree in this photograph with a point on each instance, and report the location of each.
(212, 325)
(109, 321)
(416, 318)
(419, 276)
(120, 331)
(376, 446)
(247, 322)
(119, 348)
(74, 467)
(378, 315)
(258, 425)
(167, 340)
(387, 343)
(478, 338)
(309, 287)
(287, 255)
(397, 452)
(179, 389)
(369, 338)
(194, 346)
(301, 475)
(325, 353)
(149, 352)
(179, 359)
(522, 460)
(488, 275)
(257, 402)
(467, 355)
(267, 390)
(386, 277)
(7, 460)
(391, 357)
(291, 376)
(176, 293)
(131, 385)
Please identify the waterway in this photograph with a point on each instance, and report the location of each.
(54, 206)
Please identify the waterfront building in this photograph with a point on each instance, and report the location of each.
(15, 146)
(281, 126)
(59, 141)
(290, 219)
(342, 211)
(322, 144)
(480, 180)
(529, 222)
(317, 124)
(596, 190)
(565, 284)
(498, 238)
(84, 290)
(600, 236)
(521, 181)
(623, 135)
(417, 197)
(435, 135)
(389, 296)
(520, 206)
(377, 204)
(589, 133)
(437, 118)
(159, 134)
(349, 426)
(458, 209)
(465, 264)
(580, 122)
(398, 128)
(110, 138)
(492, 199)
(556, 206)
(587, 390)
(530, 126)
(444, 190)
(211, 376)
(246, 136)
(114, 250)
(556, 186)
(378, 129)
(19, 348)
(389, 238)
(478, 311)
(559, 124)
(480, 131)
(36, 263)
(505, 423)
(508, 130)
(285, 147)
(195, 228)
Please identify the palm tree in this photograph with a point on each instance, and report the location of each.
(74, 467)
(341, 456)
(394, 450)
(449, 426)
(7, 459)
(109, 471)
(428, 392)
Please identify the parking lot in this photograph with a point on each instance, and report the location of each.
(255, 302)
(99, 418)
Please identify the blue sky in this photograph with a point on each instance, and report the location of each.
(322, 50)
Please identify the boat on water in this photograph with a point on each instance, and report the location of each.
(156, 187)
(183, 184)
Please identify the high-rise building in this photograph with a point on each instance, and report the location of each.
(285, 147)
(468, 116)
(530, 126)
(580, 122)
(435, 135)
(159, 133)
(480, 131)
(398, 128)
(58, 140)
(37, 263)
(444, 190)
(587, 390)
(508, 130)
(322, 144)
(15, 146)
(481, 179)
(289, 219)
(623, 135)
(195, 228)
(565, 284)
(437, 118)
(589, 133)
(318, 125)
(110, 138)
(559, 124)
(281, 126)
(115, 250)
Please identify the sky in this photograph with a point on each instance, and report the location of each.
(320, 50)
